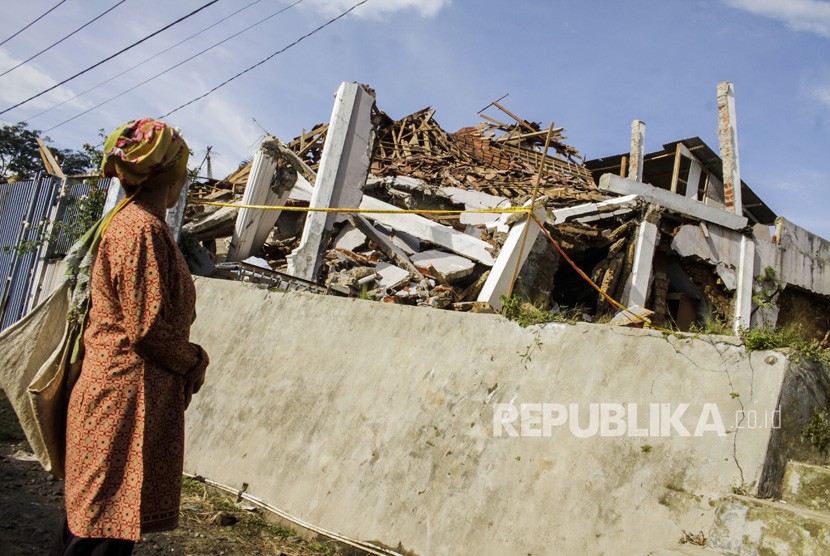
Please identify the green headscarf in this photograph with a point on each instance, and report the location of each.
(146, 153)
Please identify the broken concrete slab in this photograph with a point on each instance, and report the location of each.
(611, 207)
(391, 276)
(451, 267)
(474, 200)
(349, 238)
(427, 230)
(384, 243)
(217, 224)
(672, 201)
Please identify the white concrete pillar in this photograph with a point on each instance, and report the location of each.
(638, 142)
(636, 289)
(498, 282)
(344, 166)
(114, 195)
(175, 216)
(745, 278)
(728, 139)
(254, 225)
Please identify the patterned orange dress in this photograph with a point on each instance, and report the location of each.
(125, 423)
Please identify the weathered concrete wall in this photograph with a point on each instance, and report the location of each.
(376, 421)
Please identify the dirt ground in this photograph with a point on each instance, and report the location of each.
(31, 511)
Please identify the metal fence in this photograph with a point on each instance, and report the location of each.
(29, 241)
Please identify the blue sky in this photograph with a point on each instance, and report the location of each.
(589, 66)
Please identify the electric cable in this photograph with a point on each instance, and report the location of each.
(243, 72)
(54, 44)
(108, 58)
(41, 16)
(171, 68)
(154, 56)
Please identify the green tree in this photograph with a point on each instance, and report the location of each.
(20, 158)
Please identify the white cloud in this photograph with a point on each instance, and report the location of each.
(820, 93)
(379, 8)
(26, 81)
(800, 15)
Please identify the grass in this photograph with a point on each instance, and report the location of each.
(204, 502)
(525, 313)
(711, 324)
(764, 338)
(817, 431)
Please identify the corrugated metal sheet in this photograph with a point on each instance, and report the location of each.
(25, 209)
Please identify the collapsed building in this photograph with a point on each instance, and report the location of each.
(667, 234)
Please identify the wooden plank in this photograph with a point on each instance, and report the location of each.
(675, 175)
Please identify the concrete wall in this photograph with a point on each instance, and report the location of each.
(376, 421)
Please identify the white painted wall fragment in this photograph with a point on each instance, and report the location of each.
(344, 166)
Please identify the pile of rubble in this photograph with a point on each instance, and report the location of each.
(674, 239)
(439, 260)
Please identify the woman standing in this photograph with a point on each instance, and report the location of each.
(125, 422)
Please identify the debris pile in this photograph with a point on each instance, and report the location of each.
(664, 244)
(438, 260)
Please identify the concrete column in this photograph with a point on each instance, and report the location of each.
(728, 139)
(114, 195)
(344, 166)
(743, 291)
(636, 290)
(638, 141)
(254, 225)
(498, 282)
(175, 215)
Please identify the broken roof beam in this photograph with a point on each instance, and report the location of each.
(427, 230)
(344, 166)
(671, 201)
(501, 275)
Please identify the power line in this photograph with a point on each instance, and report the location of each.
(143, 62)
(63, 39)
(107, 59)
(171, 68)
(54, 44)
(33, 22)
(243, 72)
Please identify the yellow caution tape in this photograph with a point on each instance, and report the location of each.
(506, 210)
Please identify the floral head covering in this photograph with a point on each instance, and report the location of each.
(145, 152)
